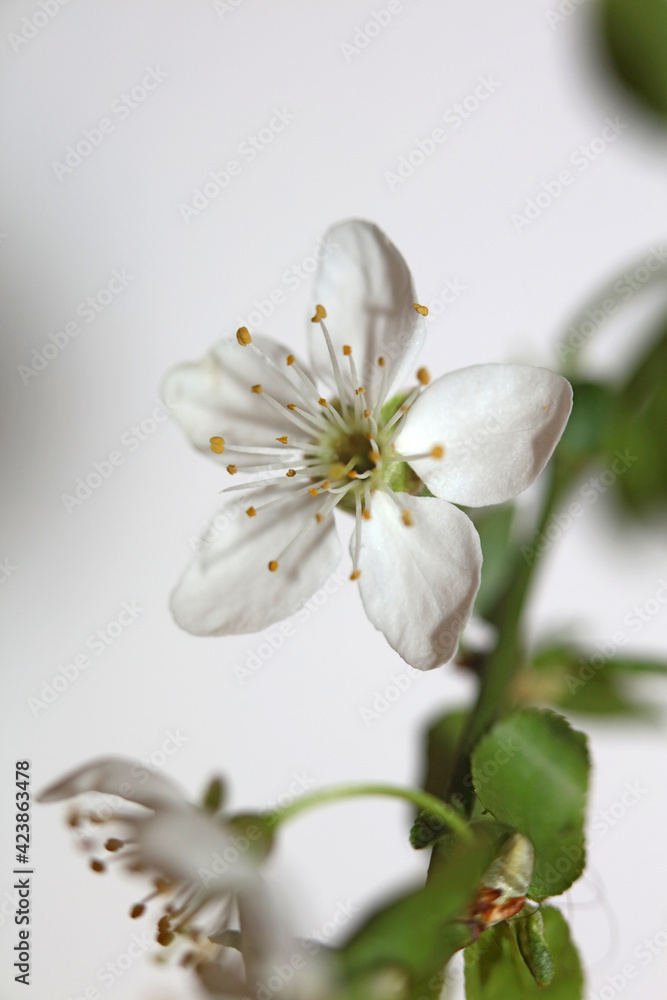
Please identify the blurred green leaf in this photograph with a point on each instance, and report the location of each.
(580, 680)
(636, 430)
(494, 525)
(417, 933)
(214, 795)
(635, 35)
(531, 772)
(494, 969)
(585, 436)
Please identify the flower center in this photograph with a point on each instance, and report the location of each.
(343, 449)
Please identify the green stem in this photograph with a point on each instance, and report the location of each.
(418, 798)
(505, 661)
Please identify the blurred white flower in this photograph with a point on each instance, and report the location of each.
(474, 437)
(204, 870)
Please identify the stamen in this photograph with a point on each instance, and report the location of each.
(97, 866)
(404, 407)
(291, 408)
(251, 512)
(232, 470)
(424, 376)
(356, 572)
(283, 439)
(437, 451)
(422, 310)
(273, 565)
(320, 313)
(114, 844)
(243, 336)
(406, 517)
(137, 911)
(257, 388)
(384, 385)
(217, 445)
(367, 501)
(290, 473)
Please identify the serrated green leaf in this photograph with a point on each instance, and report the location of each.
(495, 970)
(417, 933)
(635, 33)
(531, 772)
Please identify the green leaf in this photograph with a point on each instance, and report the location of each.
(494, 526)
(214, 795)
(635, 34)
(635, 437)
(442, 739)
(495, 970)
(580, 680)
(531, 772)
(585, 436)
(418, 933)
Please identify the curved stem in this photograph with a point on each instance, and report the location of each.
(418, 798)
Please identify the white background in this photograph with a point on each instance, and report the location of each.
(192, 282)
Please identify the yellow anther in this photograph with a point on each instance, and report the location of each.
(137, 910)
(360, 390)
(290, 473)
(290, 359)
(217, 445)
(368, 435)
(437, 451)
(355, 574)
(232, 470)
(291, 406)
(326, 484)
(352, 474)
(319, 518)
(422, 310)
(374, 456)
(273, 565)
(347, 350)
(406, 517)
(423, 376)
(320, 313)
(243, 336)
(367, 414)
(113, 844)
(337, 471)
(257, 389)
(366, 514)
(251, 512)
(381, 362)
(283, 439)
(312, 491)
(322, 401)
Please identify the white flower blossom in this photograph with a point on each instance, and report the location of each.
(202, 869)
(303, 448)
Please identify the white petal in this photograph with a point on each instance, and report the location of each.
(418, 583)
(498, 424)
(368, 292)
(229, 590)
(188, 845)
(213, 396)
(116, 776)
